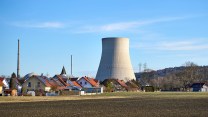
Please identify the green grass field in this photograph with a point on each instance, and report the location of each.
(121, 104)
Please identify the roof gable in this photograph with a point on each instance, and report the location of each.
(42, 79)
(122, 83)
(197, 85)
(90, 80)
(61, 79)
(76, 84)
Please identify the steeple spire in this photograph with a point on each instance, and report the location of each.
(63, 71)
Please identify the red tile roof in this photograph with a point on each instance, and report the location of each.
(122, 83)
(47, 83)
(61, 79)
(91, 81)
(76, 84)
(53, 83)
(1, 79)
(61, 88)
(56, 82)
(44, 80)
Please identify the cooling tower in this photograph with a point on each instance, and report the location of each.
(115, 61)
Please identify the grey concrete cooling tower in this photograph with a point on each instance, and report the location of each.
(115, 61)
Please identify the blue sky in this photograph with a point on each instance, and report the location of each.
(163, 33)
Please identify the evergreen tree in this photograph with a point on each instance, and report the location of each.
(12, 83)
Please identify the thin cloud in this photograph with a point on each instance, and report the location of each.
(123, 26)
(39, 24)
(182, 45)
(174, 45)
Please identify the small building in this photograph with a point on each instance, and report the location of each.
(199, 87)
(90, 85)
(87, 82)
(73, 85)
(112, 85)
(4, 81)
(39, 84)
(4, 85)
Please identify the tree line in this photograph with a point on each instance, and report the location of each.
(177, 79)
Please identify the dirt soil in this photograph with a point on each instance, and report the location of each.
(117, 107)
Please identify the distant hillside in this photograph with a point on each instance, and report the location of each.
(202, 70)
(174, 79)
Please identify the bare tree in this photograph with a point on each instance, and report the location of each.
(188, 75)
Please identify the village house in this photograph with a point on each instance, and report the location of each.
(58, 85)
(42, 84)
(67, 81)
(38, 84)
(73, 85)
(199, 87)
(4, 85)
(87, 82)
(90, 85)
(112, 85)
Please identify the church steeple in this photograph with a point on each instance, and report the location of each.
(63, 71)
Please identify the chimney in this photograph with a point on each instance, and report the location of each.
(18, 60)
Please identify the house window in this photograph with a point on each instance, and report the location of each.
(38, 84)
(85, 82)
(80, 83)
(29, 84)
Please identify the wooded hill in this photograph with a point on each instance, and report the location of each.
(174, 78)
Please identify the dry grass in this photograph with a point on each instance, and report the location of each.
(109, 105)
(52, 98)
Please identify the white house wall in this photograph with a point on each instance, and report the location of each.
(204, 88)
(83, 84)
(6, 84)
